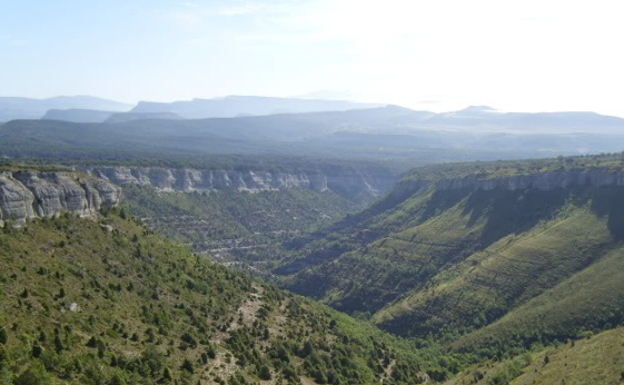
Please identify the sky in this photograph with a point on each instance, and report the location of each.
(528, 55)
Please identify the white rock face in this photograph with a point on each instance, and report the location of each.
(546, 181)
(38, 194)
(188, 180)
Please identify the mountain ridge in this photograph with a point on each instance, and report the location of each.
(236, 106)
(27, 108)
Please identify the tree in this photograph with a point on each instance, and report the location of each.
(307, 349)
(264, 373)
(37, 350)
(211, 352)
(167, 375)
(188, 366)
(58, 345)
(4, 336)
(93, 342)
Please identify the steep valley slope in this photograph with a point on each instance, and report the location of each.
(499, 273)
(102, 300)
(492, 256)
(240, 215)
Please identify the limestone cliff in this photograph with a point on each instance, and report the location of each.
(592, 176)
(348, 184)
(37, 194)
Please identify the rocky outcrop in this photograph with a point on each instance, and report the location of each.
(188, 180)
(593, 177)
(37, 194)
(184, 179)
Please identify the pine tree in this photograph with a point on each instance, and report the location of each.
(264, 373)
(188, 366)
(58, 345)
(37, 350)
(167, 374)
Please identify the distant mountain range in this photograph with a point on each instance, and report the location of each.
(25, 108)
(237, 106)
(76, 115)
(337, 114)
(390, 132)
(486, 118)
(225, 107)
(377, 133)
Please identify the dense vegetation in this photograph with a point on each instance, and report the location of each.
(110, 303)
(236, 225)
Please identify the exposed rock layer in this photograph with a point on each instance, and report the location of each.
(188, 180)
(38, 194)
(594, 177)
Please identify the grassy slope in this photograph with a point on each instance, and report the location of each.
(595, 360)
(588, 301)
(484, 286)
(146, 304)
(458, 261)
(559, 253)
(428, 231)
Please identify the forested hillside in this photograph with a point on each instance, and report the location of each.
(233, 226)
(108, 302)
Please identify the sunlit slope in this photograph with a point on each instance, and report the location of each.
(491, 282)
(593, 360)
(470, 256)
(588, 301)
(110, 303)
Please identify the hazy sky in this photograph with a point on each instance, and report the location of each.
(524, 55)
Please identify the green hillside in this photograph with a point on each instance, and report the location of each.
(595, 360)
(486, 271)
(108, 302)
